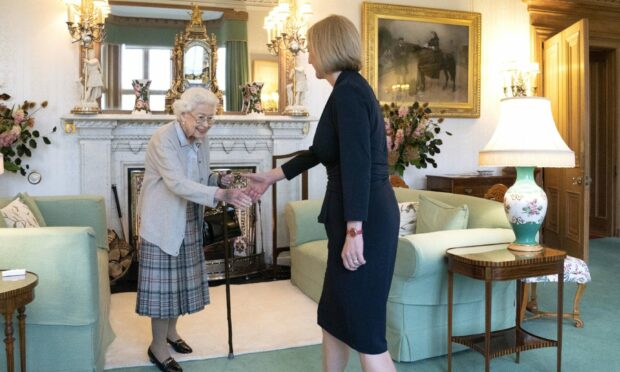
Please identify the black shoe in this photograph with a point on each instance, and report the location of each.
(168, 365)
(180, 346)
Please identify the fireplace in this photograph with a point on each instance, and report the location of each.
(112, 144)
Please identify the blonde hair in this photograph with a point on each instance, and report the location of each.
(335, 45)
(191, 98)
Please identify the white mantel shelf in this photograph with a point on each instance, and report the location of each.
(111, 144)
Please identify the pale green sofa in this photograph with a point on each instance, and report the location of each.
(416, 309)
(67, 324)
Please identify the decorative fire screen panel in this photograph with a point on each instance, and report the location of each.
(247, 256)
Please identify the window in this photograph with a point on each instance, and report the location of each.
(145, 63)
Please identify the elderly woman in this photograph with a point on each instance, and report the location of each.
(360, 212)
(172, 280)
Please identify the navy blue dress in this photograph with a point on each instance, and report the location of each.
(350, 142)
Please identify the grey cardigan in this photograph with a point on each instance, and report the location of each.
(166, 189)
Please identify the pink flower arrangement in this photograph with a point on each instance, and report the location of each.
(17, 139)
(411, 136)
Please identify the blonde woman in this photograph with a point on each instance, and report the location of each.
(360, 212)
(172, 278)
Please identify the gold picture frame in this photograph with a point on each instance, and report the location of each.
(425, 55)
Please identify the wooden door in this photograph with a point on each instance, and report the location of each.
(566, 83)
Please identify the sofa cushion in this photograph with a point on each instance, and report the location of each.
(21, 212)
(408, 218)
(482, 212)
(434, 215)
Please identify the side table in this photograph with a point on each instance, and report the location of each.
(15, 293)
(497, 262)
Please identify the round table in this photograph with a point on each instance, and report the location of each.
(15, 293)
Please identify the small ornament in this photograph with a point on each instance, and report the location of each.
(141, 90)
(250, 93)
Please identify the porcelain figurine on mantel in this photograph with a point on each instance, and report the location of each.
(296, 92)
(92, 87)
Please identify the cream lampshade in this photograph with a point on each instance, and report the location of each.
(526, 137)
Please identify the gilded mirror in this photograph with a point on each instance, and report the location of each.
(194, 61)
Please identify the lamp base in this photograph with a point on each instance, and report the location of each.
(524, 248)
(525, 204)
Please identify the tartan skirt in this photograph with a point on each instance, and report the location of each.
(170, 286)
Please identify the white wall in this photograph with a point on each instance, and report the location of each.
(38, 62)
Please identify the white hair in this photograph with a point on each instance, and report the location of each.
(191, 98)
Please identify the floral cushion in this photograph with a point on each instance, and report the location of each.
(575, 270)
(408, 218)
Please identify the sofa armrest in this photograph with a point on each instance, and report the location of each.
(301, 220)
(65, 259)
(76, 210)
(419, 255)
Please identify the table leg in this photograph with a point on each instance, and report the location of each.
(21, 316)
(518, 312)
(487, 325)
(560, 311)
(8, 332)
(450, 283)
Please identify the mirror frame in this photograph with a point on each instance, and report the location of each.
(195, 34)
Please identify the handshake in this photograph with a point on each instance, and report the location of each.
(257, 184)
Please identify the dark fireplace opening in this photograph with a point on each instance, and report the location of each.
(245, 247)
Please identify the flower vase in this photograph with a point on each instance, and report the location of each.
(250, 93)
(141, 90)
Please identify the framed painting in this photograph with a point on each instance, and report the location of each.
(425, 55)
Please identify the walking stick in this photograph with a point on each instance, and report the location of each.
(231, 355)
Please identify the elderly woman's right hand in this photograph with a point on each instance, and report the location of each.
(237, 197)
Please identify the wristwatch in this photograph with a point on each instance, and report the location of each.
(352, 232)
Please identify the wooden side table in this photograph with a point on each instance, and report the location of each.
(472, 185)
(497, 262)
(15, 293)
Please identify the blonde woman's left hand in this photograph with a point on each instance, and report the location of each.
(353, 252)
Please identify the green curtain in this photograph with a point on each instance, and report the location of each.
(237, 72)
(141, 35)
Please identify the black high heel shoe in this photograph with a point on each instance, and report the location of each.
(180, 346)
(168, 365)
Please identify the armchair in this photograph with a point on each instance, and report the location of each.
(67, 324)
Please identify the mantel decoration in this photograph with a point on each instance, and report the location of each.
(411, 136)
(142, 105)
(85, 23)
(17, 137)
(286, 26)
(194, 61)
(251, 93)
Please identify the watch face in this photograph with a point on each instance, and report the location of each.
(34, 178)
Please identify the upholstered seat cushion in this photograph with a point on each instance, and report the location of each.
(575, 270)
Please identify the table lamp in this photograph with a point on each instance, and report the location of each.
(526, 137)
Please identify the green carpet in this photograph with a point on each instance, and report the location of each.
(594, 348)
